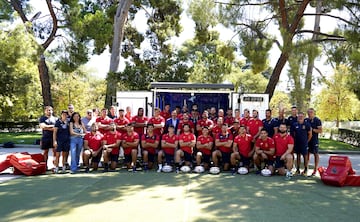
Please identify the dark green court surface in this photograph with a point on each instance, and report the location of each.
(170, 197)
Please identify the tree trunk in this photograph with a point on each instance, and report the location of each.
(45, 81)
(311, 57)
(119, 23)
(275, 76)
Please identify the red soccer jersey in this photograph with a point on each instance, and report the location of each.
(254, 125)
(129, 138)
(122, 122)
(244, 121)
(229, 120)
(187, 138)
(104, 121)
(224, 138)
(139, 119)
(169, 139)
(150, 139)
(203, 140)
(181, 123)
(111, 138)
(204, 122)
(157, 120)
(265, 145)
(243, 143)
(165, 115)
(216, 130)
(281, 143)
(94, 140)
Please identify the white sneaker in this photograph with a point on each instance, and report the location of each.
(63, 169)
(56, 170)
(159, 170)
(288, 175)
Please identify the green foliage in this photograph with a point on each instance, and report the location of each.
(246, 81)
(337, 102)
(78, 88)
(19, 78)
(280, 100)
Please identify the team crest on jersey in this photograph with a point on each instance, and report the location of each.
(266, 145)
(303, 127)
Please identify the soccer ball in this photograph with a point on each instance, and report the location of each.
(167, 169)
(185, 169)
(266, 172)
(214, 170)
(243, 170)
(199, 169)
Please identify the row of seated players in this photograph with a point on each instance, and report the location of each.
(226, 147)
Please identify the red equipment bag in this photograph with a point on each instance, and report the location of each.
(338, 170)
(27, 165)
(5, 164)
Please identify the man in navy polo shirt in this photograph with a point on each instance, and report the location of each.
(316, 127)
(302, 135)
(269, 123)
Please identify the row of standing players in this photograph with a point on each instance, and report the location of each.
(180, 139)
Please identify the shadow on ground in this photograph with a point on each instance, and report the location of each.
(170, 197)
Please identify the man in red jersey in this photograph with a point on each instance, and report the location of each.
(223, 142)
(204, 146)
(92, 148)
(217, 128)
(237, 115)
(111, 147)
(284, 146)
(187, 141)
(243, 150)
(140, 122)
(130, 143)
(149, 143)
(264, 151)
(169, 143)
(229, 119)
(204, 121)
(166, 112)
(244, 121)
(103, 121)
(158, 122)
(254, 125)
(185, 120)
(121, 122)
(234, 129)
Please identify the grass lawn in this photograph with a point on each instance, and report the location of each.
(160, 197)
(20, 138)
(327, 144)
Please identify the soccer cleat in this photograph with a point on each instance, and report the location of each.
(233, 171)
(87, 170)
(63, 170)
(159, 170)
(177, 170)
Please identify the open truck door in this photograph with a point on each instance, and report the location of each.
(251, 101)
(135, 100)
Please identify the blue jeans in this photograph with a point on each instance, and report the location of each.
(76, 144)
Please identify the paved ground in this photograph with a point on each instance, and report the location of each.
(152, 196)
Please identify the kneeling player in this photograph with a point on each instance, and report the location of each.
(204, 145)
(187, 142)
(223, 142)
(149, 142)
(169, 143)
(130, 143)
(284, 145)
(264, 151)
(242, 149)
(111, 148)
(92, 148)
